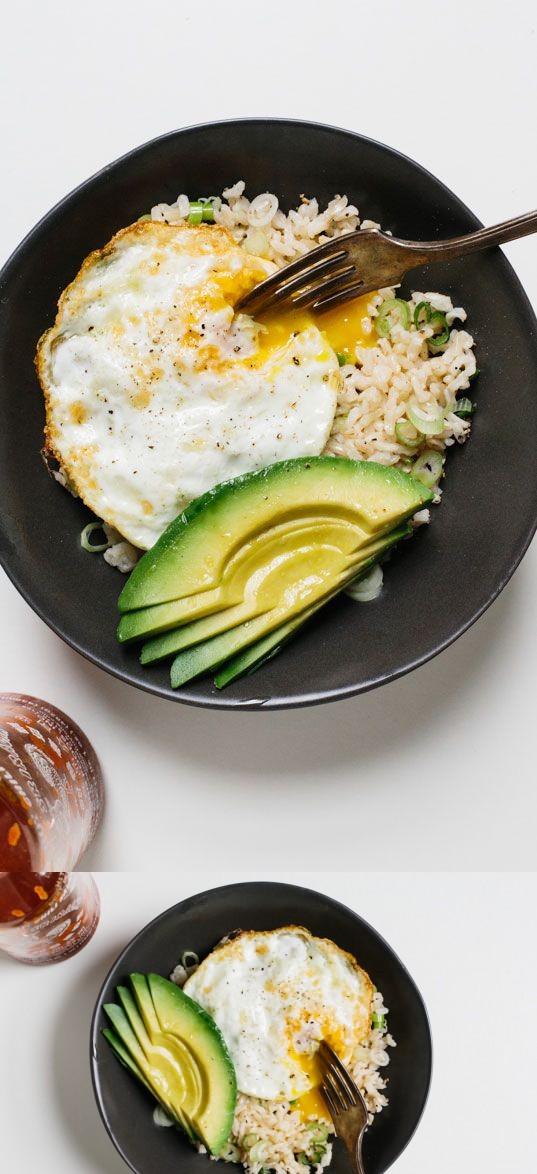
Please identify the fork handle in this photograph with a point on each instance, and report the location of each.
(356, 1157)
(427, 252)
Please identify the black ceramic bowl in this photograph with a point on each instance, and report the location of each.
(439, 583)
(198, 924)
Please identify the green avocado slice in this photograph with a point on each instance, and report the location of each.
(124, 1056)
(192, 555)
(134, 625)
(240, 572)
(181, 1017)
(252, 657)
(174, 1047)
(172, 1059)
(153, 1077)
(258, 601)
(194, 662)
(169, 643)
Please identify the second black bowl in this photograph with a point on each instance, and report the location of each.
(198, 924)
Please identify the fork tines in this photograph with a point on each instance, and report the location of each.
(304, 281)
(338, 1087)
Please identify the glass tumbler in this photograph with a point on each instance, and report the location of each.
(51, 787)
(47, 917)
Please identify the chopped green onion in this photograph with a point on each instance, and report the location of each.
(189, 958)
(202, 209)
(441, 330)
(407, 433)
(319, 1151)
(366, 587)
(258, 1152)
(464, 408)
(427, 468)
(378, 1022)
(162, 1118)
(146, 216)
(342, 358)
(97, 547)
(303, 1158)
(319, 1131)
(422, 314)
(392, 312)
(429, 423)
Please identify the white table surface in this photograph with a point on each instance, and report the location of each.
(423, 761)
(464, 939)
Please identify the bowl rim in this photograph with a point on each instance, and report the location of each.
(298, 891)
(320, 696)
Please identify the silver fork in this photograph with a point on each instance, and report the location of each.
(346, 1103)
(358, 262)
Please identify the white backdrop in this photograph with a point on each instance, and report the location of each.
(467, 941)
(422, 763)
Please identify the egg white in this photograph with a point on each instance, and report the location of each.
(274, 996)
(155, 391)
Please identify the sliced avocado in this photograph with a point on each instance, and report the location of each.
(315, 547)
(144, 1003)
(255, 655)
(180, 1017)
(124, 1056)
(127, 1037)
(194, 662)
(168, 643)
(135, 624)
(159, 1072)
(146, 1025)
(240, 572)
(192, 554)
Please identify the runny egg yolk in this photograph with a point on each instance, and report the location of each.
(344, 327)
(312, 1103)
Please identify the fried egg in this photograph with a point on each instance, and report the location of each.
(156, 390)
(275, 995)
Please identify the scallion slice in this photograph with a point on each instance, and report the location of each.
(441, 329)
(303, 1159)
(427, 468)
(366, 587)
(342, 358)
(318, 1130)
(429, 420)
(319, 1151)
(407, 434)
(378, 1022)
(464, 408)
(189, 958)
(422, 314)
(93, 547)
(392, 312)
(202, 210)
(258, 1152)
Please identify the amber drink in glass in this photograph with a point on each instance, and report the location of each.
(51, 788)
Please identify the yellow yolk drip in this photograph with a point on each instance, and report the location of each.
(343, 327)
(312, 1103)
